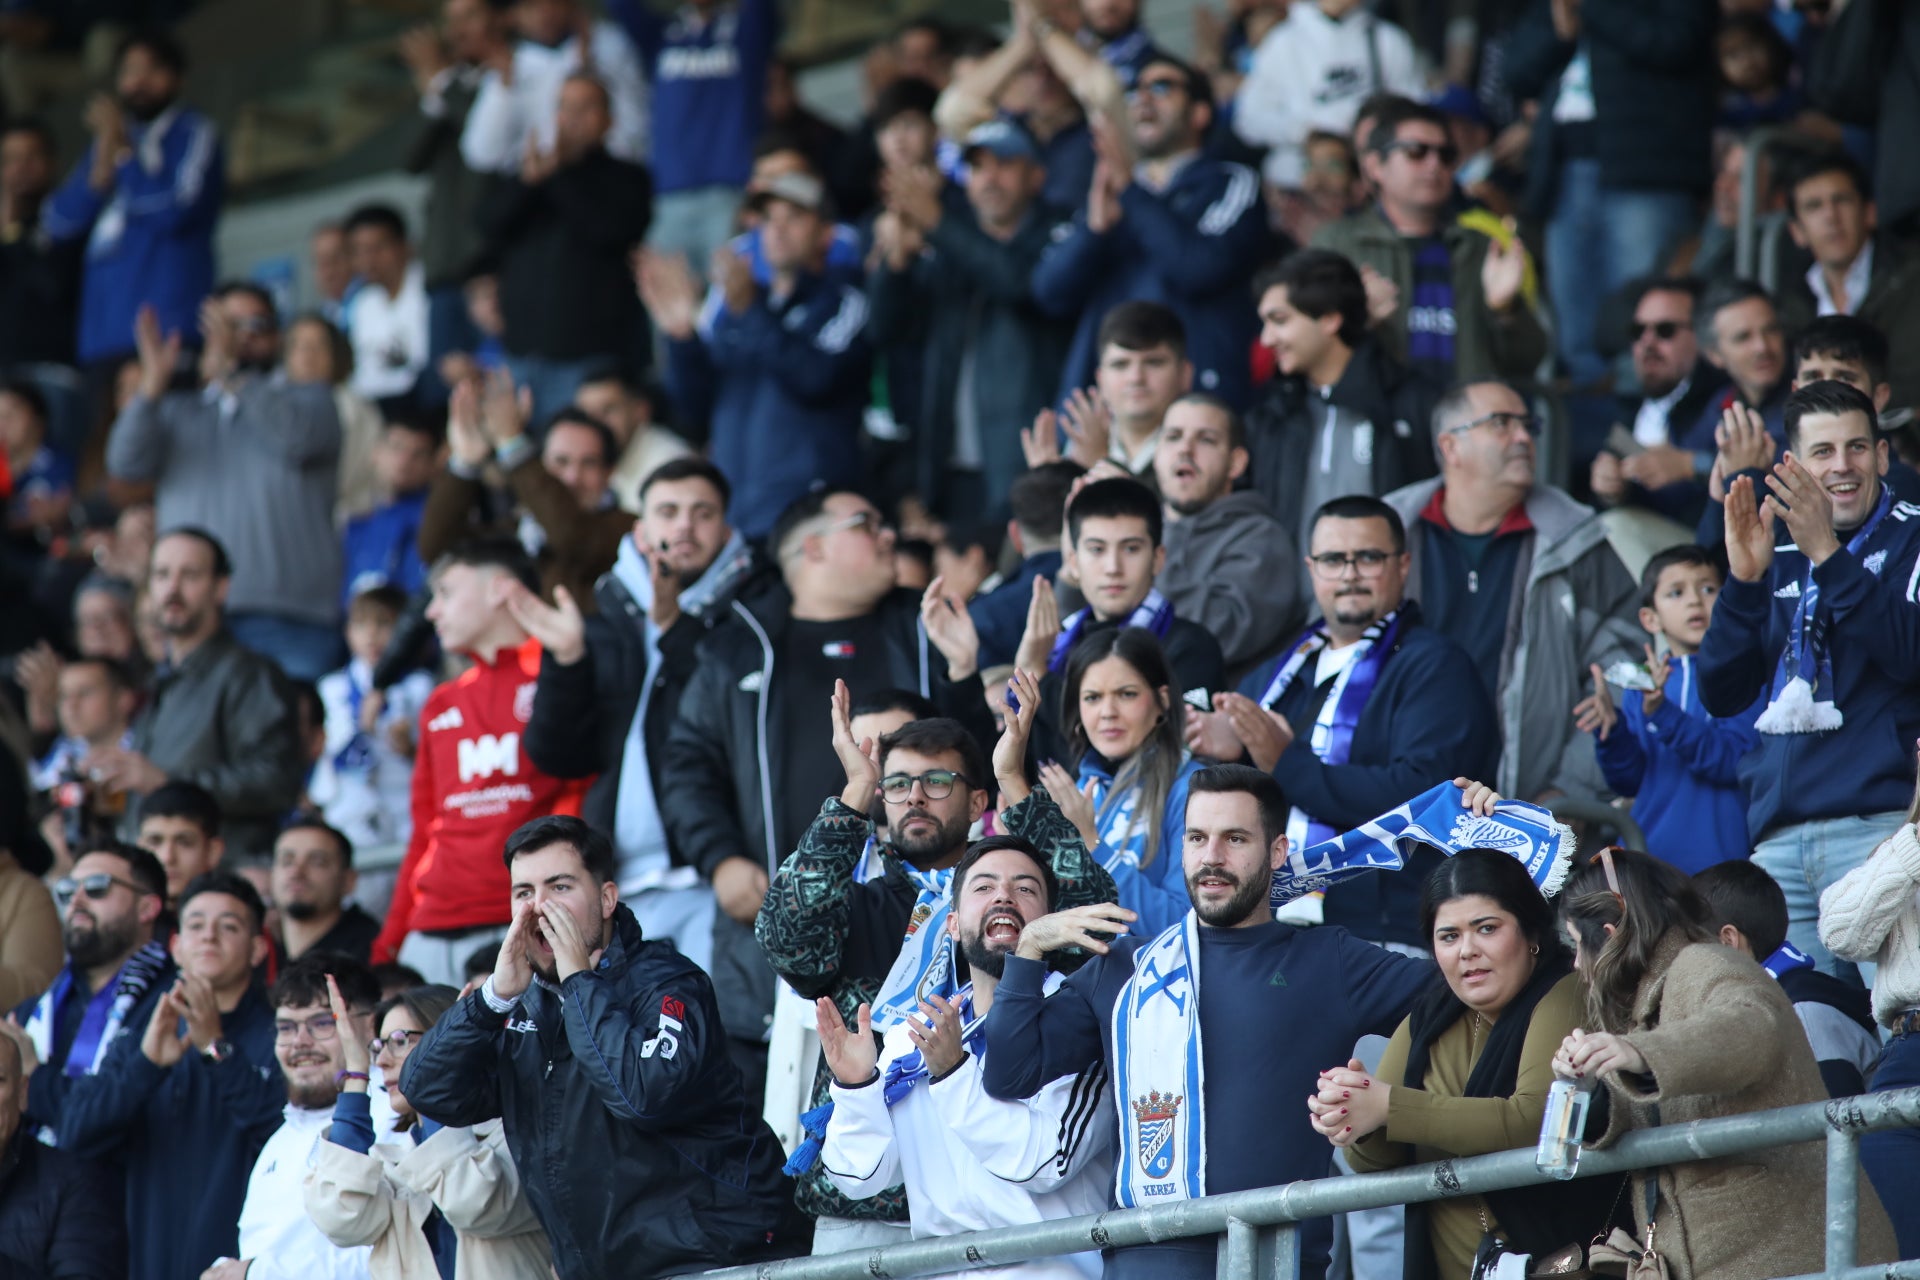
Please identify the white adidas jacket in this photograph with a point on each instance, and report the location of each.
(1312, 72)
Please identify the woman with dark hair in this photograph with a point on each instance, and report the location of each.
(434, 1200)
(1686, 1029)
(1121, 706)
(1468, 1071)
(316, 351)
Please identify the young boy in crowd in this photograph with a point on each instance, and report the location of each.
(382, 546)
(1659, 745)
(1748, 908)
(179, 823)
(363, 782)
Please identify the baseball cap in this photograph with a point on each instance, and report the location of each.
(1007, 139)
(802, 190)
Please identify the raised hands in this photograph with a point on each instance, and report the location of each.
(559, 628)
(1043, 628)
(1659, 666)
(466, 439)
(1595, 713)
(1075, 801)
(1092, 927)
(1089, 426)
(1503, 271)
(1264, 733)
(668, 290)
(159, 355)
(860, 760)
(513, 970)
(950, 628)
(939, 1039)
(353, 1050)
(851, 1052)
(1804, 506)
(1749, 532)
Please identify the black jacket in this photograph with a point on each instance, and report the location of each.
(1282, 428)
(61, 1217)
(582, 712)
(636, 1144)
(1866, 70)
(722, 780)
(566, 292)
(1653, 92)
(968, 283)
(39, 287)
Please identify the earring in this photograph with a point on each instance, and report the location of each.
(1534, 950)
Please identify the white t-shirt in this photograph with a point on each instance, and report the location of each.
(389, 336)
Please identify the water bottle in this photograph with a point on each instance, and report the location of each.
(1561, 1129)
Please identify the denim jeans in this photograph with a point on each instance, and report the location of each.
(1810, 858)
(1892, 1158)
(1597, 242)
(694, 222)
(552, 383)
(305, 650)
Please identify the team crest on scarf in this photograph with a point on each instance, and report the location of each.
(921, 914)
(1155, 1114)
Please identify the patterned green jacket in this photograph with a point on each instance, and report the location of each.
(828, 936)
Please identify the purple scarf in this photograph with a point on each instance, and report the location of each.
(1155, 613)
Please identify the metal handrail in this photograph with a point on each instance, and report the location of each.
(1745, 229)
(1257, 1228)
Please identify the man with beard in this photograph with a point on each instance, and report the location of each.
(252, 459)
(145, 198)
(1243, 1047)
(1521, 577)
(112, 900)
(217, 714)
(884, 945)
(312, 877)
(1180, 229)
(914, 1109)
(637, 1146)
(1230, 565)
(277, 1239)
(185, 1106)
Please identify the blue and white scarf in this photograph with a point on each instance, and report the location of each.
(1155, 613)
(1439, 819)
(909, 1069)
(103, 1019)
(925, 965)
(1333, 728)
(1124, 833)
(1785, 961)
(1159, 1078)
(1802, 695)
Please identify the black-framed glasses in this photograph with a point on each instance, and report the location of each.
(1334, 564)
(935, 784)
(1501, 421)
(1665, 330)
(396, 1041)
(97, 887)
(321, 1026)
(1418, 152)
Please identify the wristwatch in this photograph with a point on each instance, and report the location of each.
(217, 1052)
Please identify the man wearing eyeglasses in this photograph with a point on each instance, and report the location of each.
(278, 1241)
(746, 765)
(883, 943)
(1446, 293)
(110, 907)
(1521, 577)
(185, 1106)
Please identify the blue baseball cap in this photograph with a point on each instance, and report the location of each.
(1007, 139)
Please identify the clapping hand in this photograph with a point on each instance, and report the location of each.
(860, 759)
(1749, 532)
(1804, 506)
(159, 356)
(1658, 667)
(1010, 753)
(1210, 735)
(1503, 271)
(1075, 802)
(1595, 713)
(353, 1050)
(1265, 733)
(1383, 296)
(1040, 443)
(668, 291)
(164, 1043)
(950, 629)
(850, 1052)
(938, 1039)
(1043, 628)
(559, 628)
(466, 439)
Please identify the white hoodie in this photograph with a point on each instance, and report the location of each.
(275, 1231)
(1313, 72)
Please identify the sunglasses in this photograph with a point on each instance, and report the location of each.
(1419, 151)
(1665, 330)
(937, 784)
(97, 887)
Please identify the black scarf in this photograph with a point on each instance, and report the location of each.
(1537, 1220)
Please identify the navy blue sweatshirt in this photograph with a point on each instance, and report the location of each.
(1190, 247)
(1682, 768)
(187, 1136)
(707, 77)
(1278, 1005)
(1424, 723)
(1866, 765)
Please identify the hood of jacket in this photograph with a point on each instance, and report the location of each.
(1564, 530)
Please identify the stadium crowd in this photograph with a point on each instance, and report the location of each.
(731, 640)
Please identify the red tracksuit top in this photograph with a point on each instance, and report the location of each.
(472, 787)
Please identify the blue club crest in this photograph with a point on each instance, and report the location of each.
(1155, 1114)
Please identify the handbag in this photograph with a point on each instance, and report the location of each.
(1621, 1255)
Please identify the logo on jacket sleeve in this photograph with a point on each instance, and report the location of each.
(523, 702)
(1155, 1114)
(448, 719)
(666, 1041)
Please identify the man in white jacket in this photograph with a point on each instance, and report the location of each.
(277, 1239)
(915, 1111)
(520, 97)
(1312, 72)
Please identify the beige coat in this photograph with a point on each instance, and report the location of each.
(384, 1198)
(1720, 1039)
(31, 951)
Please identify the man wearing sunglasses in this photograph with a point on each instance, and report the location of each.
(110, 907)
(884, 943)
(1522, 577)
(1447, 297)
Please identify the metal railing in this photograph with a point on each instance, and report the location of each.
(1258, 1230)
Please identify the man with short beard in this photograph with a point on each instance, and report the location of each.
(914, 1109)
(111, 900)
(277, 1239)
(1231, 567)
(885, 945)
(144, 199)
(312, 877)
(1264, 1007)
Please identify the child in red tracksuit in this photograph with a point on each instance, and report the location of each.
(473, 784)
